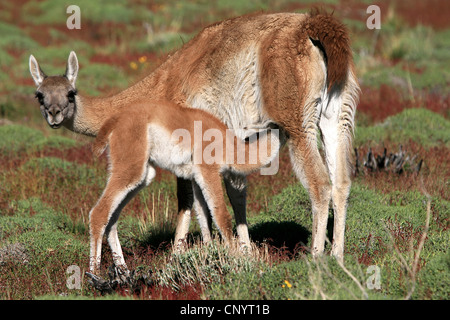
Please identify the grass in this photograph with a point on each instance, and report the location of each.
(380, 226)
(17, 139)
(410, 57)
(51, 12)
(49, 180)
(204, 264)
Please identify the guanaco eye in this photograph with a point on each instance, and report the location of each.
(40, 97)
(71, 96)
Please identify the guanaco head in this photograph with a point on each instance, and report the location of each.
(56, 94)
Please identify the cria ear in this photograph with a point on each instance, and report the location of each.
(72, 68)
(36, 72)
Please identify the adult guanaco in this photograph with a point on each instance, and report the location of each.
(294, 70)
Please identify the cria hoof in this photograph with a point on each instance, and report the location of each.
(118, 278)
(102, 285)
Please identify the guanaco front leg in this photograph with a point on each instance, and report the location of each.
(189, 194)
(185, 197)
(236, 187)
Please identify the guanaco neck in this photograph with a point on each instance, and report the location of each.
(92, 112)
(89, 115)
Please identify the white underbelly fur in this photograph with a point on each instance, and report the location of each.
(167, 154)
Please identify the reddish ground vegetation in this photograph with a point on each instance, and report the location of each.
(431, 178)
(378, 104)
(434, 13)
(80, 155)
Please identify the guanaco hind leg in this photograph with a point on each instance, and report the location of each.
(310, 169)
(337, 137)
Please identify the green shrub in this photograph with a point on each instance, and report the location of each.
(434, 278)
(288, 217)
(74, 296)
(57, 142)
(417, 47)
(287, 220)
(31, 215)
(52, 12)
(5, 60)
(22, 220)
(14, 38)
(62, 172)
(420, 125)
(299, 279)
(53, 244)
(97, 75)
(17, 138)
(42, 231)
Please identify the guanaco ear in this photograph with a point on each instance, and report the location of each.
(36, 72)
(72, 68)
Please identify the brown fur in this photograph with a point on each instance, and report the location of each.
(131, 151)
(333, 36)
(132, 128)
(305, 82)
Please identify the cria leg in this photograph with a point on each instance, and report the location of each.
(203, 212)
(210, 185)
(103, 220)
(130, 172)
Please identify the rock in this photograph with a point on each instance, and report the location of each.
(15, 253)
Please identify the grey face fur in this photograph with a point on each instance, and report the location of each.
(56, 94)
